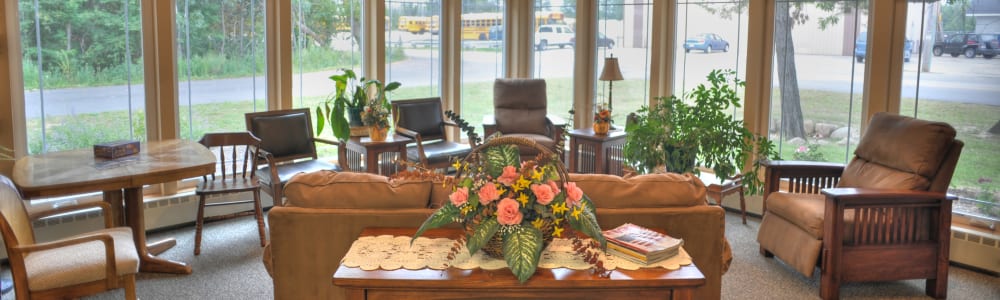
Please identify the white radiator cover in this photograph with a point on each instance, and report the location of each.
(975, 248)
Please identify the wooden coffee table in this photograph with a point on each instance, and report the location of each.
(561, 283)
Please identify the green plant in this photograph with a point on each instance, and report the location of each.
(680, 134)
(809, 152)
(363, 92)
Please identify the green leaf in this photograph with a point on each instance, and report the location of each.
(522, 248)
(338, 122)
(482, 234)
(587, 222)
(320, 119)
(498, 157)
(441, 217)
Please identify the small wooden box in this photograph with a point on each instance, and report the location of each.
(116, 149)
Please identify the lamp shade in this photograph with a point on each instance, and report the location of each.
(611, 72)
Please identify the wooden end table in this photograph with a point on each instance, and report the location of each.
(560, 283)
(592, 153)
(362, 154)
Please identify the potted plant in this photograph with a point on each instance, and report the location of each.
(350, 102)
(680, 134)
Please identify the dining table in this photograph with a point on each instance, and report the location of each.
(74, 172)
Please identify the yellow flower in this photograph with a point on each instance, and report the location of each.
(521, 184)
(457, 165)
(537, 223)
(557, 231)
(536, 175)
(523, 198)
(576, 212)
(559, 208)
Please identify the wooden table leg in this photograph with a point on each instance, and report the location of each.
(134, 215)
(114, 198)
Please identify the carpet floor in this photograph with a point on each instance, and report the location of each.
(229, 267)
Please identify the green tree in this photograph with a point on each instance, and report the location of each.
(953, 17)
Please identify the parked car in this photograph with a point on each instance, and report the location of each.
(989, 45)
(554, 35)
(861, 47)
(604, 41)
(958, 44)
(496, 33)
(707, 42)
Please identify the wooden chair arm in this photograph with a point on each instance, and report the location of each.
(326, 141)
(111, 268)
(793, 168)
(450, 123)
(418, 139)
(802, 176)
(104, 206)
(854, 197)
(272, 168)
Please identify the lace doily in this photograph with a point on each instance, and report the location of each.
(394, 252)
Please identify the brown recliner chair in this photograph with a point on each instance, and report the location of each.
(885, 216)
(520, 109)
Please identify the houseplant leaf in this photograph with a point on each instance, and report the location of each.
(522, 248)
(500, 156)
(482, 234)
(445, 215)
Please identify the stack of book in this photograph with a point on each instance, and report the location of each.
(641, 245)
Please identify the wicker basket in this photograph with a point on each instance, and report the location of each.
(494, 247)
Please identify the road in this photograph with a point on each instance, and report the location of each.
(951, 79)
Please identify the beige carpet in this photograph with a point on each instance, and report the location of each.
(229, 267)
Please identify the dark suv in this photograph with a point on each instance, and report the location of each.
(989, 44)
(958, 44)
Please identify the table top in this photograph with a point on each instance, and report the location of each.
(393, 138)
(79, 171)
(686, 276)
(588, 132)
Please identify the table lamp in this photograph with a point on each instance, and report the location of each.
(611, 73)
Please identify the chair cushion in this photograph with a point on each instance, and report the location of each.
(862, 173)
(806, 211)
(80, 263)
(284, 135)
(650, 190)
(329, 189)
(287, 171)
(520, 106)
(904, 144)
(438, 152)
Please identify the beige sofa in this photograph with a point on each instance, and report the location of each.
(327, 210)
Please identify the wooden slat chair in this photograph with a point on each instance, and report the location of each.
(884, 216)
(72, 267)
(235, 173)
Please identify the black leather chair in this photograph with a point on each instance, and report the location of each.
(521, 109)
(423, 121)
(288, 147)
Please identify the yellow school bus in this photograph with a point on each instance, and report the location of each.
(476, 26)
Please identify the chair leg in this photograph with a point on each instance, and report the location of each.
(938, 287)
(129, 282)
(829, 286)
(259, 213)
(198, 224)
(743, 206)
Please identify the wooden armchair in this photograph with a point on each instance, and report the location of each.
(287, 147)
(884, 216)
(423, 121)
(72, 267)
(520, 109)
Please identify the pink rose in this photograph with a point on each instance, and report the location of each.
(488, 193)
(573, 194)
(554, 186)
(509, 212)
(459, 196)
(543, 193)
(509, 175)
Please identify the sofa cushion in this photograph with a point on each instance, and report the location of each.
(329, 189)
(650, 190)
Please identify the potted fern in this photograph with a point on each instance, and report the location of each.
(342, 109)
(681, 134)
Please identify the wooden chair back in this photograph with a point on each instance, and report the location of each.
(236, 152)
(286, 134)
(15, 223)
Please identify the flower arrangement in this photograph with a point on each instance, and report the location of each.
(375, 114)
(602, 114)
(501, 200)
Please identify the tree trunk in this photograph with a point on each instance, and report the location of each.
(791, 108)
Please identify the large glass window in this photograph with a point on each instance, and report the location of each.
(555, 37)
(711, 35)
(817, 95)
(413, 48)
(624, 31)
(952, 77)
(83, 73)
(326, 38)
(221, 66)
(482, 57)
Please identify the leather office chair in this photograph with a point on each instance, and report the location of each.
(237, 172)
(520, 109)
(288, 147)
(884, 216)
(423, 121)
(72, 267)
